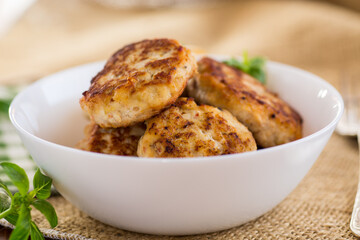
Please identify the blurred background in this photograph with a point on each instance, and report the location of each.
(38, 37)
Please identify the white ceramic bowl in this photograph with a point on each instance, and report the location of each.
(171, 196)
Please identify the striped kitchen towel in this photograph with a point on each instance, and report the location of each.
(11, 147)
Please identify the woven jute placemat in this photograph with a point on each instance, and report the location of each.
(319, 37)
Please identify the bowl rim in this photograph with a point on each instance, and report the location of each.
(316, 134)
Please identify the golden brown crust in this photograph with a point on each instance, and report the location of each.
(188, 130)
(138, 81)
(117, 141)
(270, 119)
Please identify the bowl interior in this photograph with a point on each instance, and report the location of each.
(50, 110)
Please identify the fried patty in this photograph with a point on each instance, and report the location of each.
(117, 141)
(188, 130)
(271, 120)
(137, 82)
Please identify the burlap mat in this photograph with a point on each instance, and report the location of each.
(317, 36)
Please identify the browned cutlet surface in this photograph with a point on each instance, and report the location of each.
(271, 120)
(117, 141)
(188, 130)
(137, 82)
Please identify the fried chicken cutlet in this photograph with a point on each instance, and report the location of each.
(271, 120)
(117, 141)
(137, 82)
(188, 130)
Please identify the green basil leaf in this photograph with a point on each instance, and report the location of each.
(48, 210)
(35, 232)
(233, 62)
(18, 199)
(257, 62)
(17, 175)
(4, 106)
(42, 184)
(246, 62)
(3, 186)
(22, 228)
(5, 200)
(12, 218)
(255, 67)
(259, 74)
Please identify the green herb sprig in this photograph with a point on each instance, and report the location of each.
(6, 99)
(4, 106)
(16, 208)
(252, 66)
